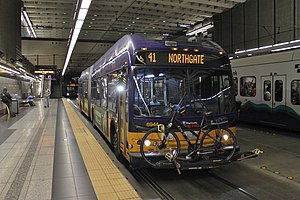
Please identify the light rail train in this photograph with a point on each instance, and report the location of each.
(268, 87)
(129, 90)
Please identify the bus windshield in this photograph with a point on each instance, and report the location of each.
(157, 88)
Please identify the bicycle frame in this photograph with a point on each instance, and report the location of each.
(182, 128)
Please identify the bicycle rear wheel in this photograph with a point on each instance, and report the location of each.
(219, 142)
(154, 151)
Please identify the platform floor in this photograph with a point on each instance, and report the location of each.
(49, 153)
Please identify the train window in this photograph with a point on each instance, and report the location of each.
(267, 90)
(248, 86)
(295, 92)
(235, 83)
(278, 90)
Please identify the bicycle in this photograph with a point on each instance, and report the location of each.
(214, 139)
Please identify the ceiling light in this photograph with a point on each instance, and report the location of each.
(133, 22)
(8, 70)
(85, 4)
(82, 14)
(29, 23)
(200, 30)
(93, 19)
(95, 15)
(286, 48)
(137, 18)
(164, 21)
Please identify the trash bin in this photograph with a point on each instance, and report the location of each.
(14, 106)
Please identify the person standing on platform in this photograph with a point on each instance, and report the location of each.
(47, 97)
(6, 98)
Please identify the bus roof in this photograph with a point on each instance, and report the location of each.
(132, 43)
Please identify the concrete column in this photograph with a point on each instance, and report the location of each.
(284, 20)
(226, 31)
(297, 19)
(238, 39)
(266, 22)
(10, 27)
(251, 26)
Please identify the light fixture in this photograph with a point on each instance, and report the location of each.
(83, 10)
(225, 137)
(273, 48)
(286, 48)
(120, 88)
(201, 29)
(28, 22)
(147, 143)
(8, 69)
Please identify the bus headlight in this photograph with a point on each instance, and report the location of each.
(147, 143)
(120, 88)
(225, 137)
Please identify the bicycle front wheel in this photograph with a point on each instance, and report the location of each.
(159, 147)
(220, 142)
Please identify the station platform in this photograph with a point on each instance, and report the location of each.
(49, 153)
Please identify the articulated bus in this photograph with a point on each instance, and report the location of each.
(70, 90)
(129, 90)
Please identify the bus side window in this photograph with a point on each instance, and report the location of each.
(112, 82)
(103, 93)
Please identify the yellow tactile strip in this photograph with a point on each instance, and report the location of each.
(106, 179)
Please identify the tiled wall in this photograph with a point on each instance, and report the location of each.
(14, 87)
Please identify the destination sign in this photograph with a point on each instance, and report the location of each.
(169, 58)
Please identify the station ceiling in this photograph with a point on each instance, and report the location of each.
(106, 22)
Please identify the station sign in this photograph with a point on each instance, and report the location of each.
(44, 72)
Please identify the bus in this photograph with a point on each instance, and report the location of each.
(129, 90)
(70, 90)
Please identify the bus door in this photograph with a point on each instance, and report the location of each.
(122, 118)
(273, 92)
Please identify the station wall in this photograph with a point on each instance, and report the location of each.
(257, 23)
(14, 87)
